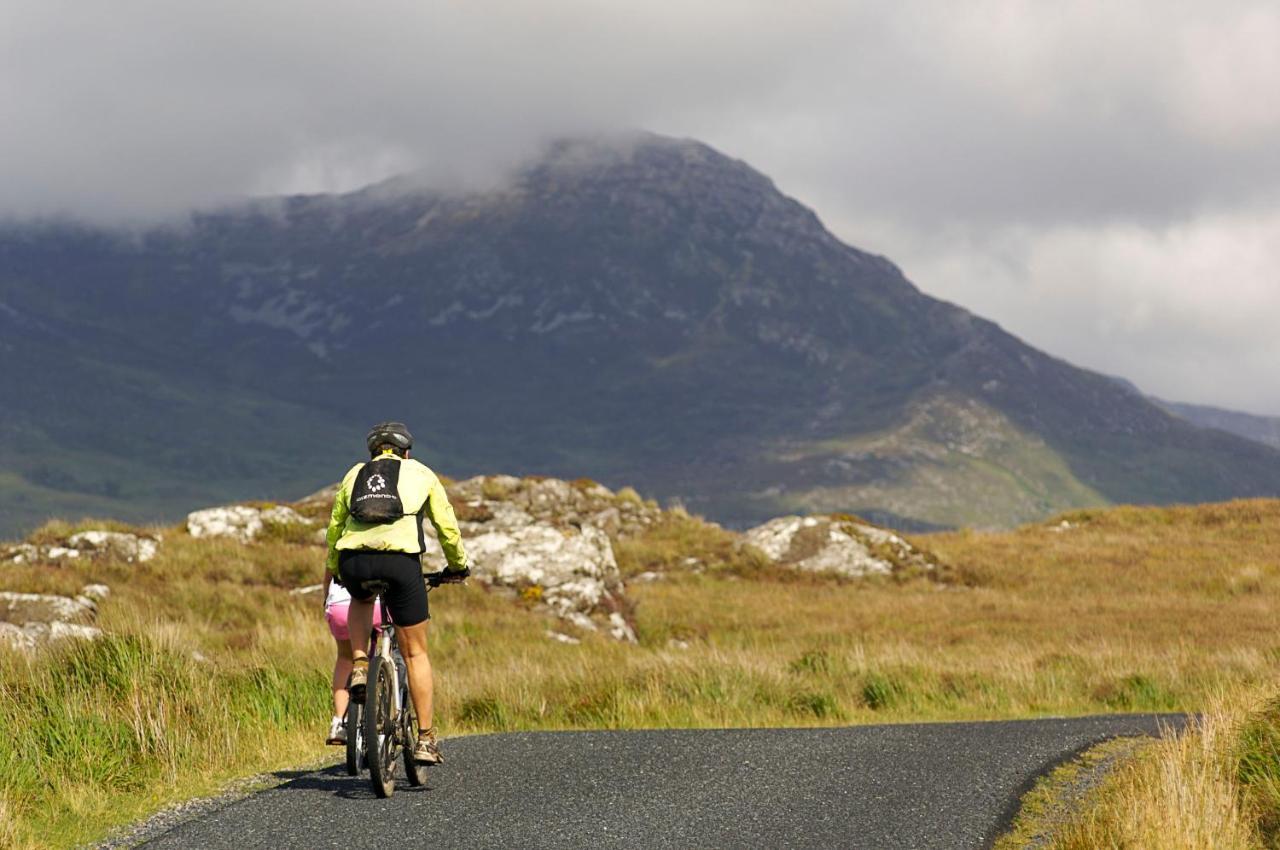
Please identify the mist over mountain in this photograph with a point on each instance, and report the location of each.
(643, 311)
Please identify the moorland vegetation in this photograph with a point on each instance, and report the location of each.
(211, 668)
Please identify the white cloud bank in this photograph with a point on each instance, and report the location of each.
(1102, 178)
(1188, 311)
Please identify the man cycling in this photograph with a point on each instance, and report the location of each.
(376, 533)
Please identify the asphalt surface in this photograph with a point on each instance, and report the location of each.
(945, 785)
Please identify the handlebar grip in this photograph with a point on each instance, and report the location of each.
(445, 577)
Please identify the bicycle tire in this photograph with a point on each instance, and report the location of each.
(415, 772)
(355, 737)
(379, 726)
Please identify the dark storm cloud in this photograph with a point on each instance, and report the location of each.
(1104, 179)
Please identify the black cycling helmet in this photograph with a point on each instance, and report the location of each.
(389, 433)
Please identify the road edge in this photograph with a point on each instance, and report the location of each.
(176, 814)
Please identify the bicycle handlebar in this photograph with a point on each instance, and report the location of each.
(438, 578)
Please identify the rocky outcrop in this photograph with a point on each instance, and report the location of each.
(241, 522)
(22, 608)
(96, 543)
(30, 620)
(563, 503)
(126, 547)
(548, 540)
(838, 545)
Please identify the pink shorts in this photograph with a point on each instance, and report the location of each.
(336, 616)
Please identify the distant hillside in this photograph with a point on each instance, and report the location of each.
(1260, 429)
(641, 310)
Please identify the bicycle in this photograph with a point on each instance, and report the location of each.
(388, 721)
(353, 720)
(354, 723)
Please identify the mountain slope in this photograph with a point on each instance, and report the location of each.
(642, 310)
(1260, 429)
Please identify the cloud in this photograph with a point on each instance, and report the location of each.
(1105, 158)
(1187, 311)
(144, 107)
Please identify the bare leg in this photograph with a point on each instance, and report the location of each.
(360, 626)
(341, 669)
(413, 646)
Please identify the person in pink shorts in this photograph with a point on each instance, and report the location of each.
(336, 602)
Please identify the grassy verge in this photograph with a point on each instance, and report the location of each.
(1217, 786)
(213, 670)
(1058, 798)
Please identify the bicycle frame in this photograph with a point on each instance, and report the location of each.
(386, 648)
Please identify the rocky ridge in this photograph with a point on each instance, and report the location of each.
(550, 543)
(547, 542)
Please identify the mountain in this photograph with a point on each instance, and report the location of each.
(641, 310)
(1260, 429)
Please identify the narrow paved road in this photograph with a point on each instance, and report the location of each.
(946, 785)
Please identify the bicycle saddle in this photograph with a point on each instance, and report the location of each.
(376, 586)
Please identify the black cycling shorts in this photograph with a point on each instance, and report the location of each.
(406, 595)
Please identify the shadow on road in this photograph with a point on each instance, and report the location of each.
(335, 781)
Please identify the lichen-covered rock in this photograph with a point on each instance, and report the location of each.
(29, 553)
(540, 537)
(30, 620)
(127, 547)
(242, 522)
(559, 502)
(836, 544)
(85, 544)
(29, 637)
(21, 553)
(23, 608)
(96, 592)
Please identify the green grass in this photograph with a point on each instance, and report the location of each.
(957, 464)
(100, 733)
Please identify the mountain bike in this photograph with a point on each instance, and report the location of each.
(389, 721)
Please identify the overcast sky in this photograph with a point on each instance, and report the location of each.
(1103, 179)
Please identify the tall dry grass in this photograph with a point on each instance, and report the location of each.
(1211, 788)
(1128, 610)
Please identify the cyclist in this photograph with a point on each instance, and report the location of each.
(376, 533)
(337, 602)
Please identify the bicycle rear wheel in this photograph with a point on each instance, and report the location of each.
(380, 726)
(355, 737)
(416, 773)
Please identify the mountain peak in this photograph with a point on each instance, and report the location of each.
(635, 308)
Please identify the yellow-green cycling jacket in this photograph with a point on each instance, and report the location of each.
(422, 494)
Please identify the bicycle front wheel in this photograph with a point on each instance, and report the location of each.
(380, 726)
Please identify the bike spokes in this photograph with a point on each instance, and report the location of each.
(380, 726)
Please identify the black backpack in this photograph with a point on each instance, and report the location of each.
(375, 496)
